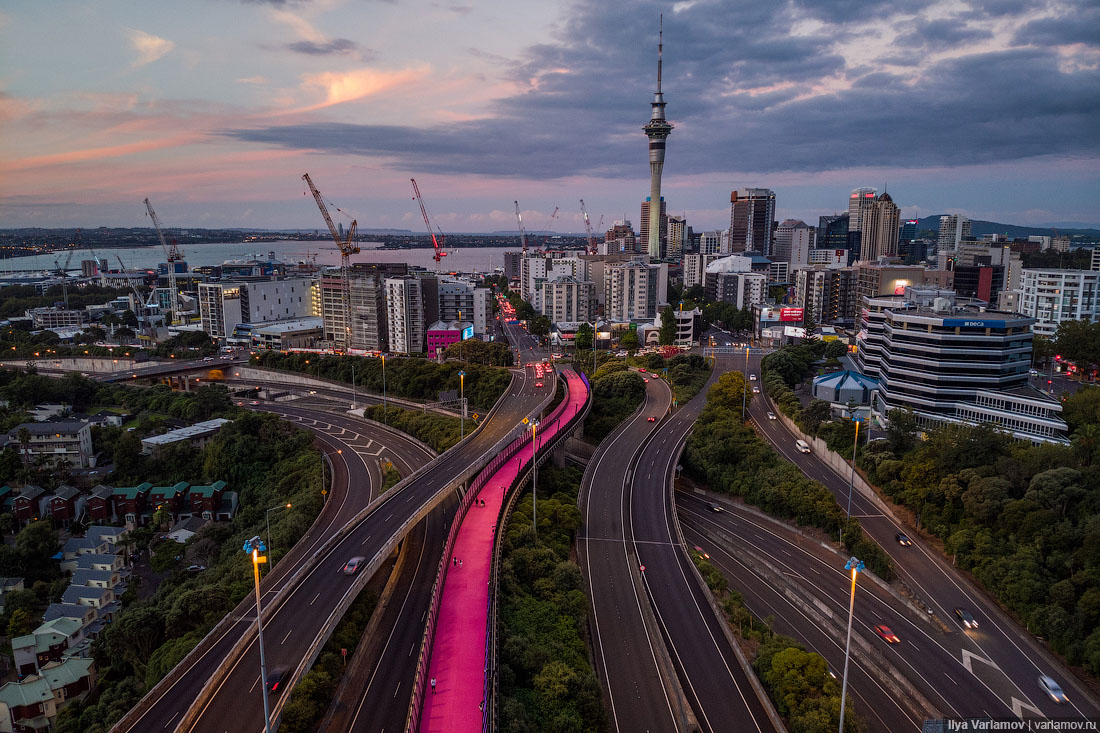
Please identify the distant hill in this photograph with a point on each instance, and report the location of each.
(978, 228)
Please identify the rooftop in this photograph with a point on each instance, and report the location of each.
(197, 430)
(274, 328)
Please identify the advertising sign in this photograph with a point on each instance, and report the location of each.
(974, 323)
(790, 314)
(468, 332)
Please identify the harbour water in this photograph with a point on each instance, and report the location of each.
(471, 259)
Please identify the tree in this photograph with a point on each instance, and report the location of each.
(667, 334)
(1086, 442)
(629, 341)
(539, 326)
(20, 623)
(583, 341)
(1079, 341)
(901, 430)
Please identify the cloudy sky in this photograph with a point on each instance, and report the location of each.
(214, 109)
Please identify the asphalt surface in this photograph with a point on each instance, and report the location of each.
(716, 685)
(626, 661)
(996, 665)
(236, 704)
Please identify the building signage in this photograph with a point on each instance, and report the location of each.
(974, 323)
(468, 332)
(790, 314)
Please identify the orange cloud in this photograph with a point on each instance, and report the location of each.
(348, 86)
(111, 151)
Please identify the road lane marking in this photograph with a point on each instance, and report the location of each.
(315, 599)
(287, 636)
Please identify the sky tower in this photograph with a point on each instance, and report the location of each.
(657, 130)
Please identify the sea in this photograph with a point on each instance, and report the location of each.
(466, 260)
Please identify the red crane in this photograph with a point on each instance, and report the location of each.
(437, 243)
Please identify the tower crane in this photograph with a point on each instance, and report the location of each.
(439, 242)
(522, 230)
(62, 272)
(347, 248)
(550, 225)
(174, 255)
(139, 303)
(588, 230)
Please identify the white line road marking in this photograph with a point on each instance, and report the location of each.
(315, 599)
(287, 636)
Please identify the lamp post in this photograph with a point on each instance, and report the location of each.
(267, 517)
(534, 479)
(852, 479)
(856, 567)
(323, 492)
(254, 547)
(354, 389)
(462, 401)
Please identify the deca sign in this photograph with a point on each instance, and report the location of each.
(790, 314)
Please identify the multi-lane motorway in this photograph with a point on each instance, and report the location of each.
(996, 665)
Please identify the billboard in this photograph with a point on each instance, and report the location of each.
(468, 332)
(790, 314)
(794, 331)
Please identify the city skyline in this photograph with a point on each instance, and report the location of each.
(214, 114)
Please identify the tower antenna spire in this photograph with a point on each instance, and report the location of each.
(657, 130)
(660, 48)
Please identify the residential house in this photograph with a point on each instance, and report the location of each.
(169, 497)
(86, 615)
(102, 599)
(74, 547)
(50, 642)
(32, 704)
(7, 498)
(67, 505)
(101, 504)
(111, 535)
(130, 502)
(30, 503)
(205, 501)
(69, 442)
(186, 529)
(7, 585)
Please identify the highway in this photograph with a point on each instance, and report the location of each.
(996, 665)
(717, 687)
(626, 661)
(292, 628)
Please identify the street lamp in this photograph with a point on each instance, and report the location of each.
(383, 388)
(254, 547)
(852, 479)
(462, 401)
(354, 389)
(856, 567)
(745, 392)
(267, 519)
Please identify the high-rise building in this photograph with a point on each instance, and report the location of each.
(411, 306)
(875, 280)
(632, 290)
(643, 235)
(742, 289)
(710, 243)
(832, 231)
(619, 239)
(1095, 267)
(567, 300)
(695, 266)
(657, 130)
(675, 236)
(954, 228)
(367, 302)
(752, 211)
(538, 267)
(511, 265)
(463, 301)
(794, 239)
(859, 200)
(225, 305)
(879, 229)
(1051, 296)
(908, 230)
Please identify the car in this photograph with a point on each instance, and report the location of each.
(752, 377)
(771, 415)
(227, 357)
(1033, 372)
(887, 635)
(756, 390)
(1052, 689)
(538, 384)
(530, 364)
(802, 446)
(705, 555)
(645, 380)
(651, 419)
(255, 402)
(275, 678)
(966, 618)
(641, 369)
(208, 358)
(195, 568)
(351, 567)
(903, 540)
(716, 508)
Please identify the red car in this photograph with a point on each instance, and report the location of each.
(641, 370)
(538, 384)
(652, 419)
(887, 635)
(646, 381)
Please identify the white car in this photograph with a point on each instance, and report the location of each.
(752, 377)
(1052, 689)
(771, 415)
(756, 390)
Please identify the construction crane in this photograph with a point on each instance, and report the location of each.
(588, 230)
(347, 248)
(522, 230)
(62, 272)
(438, 244)
(174, 255)
(138, 302)
(549, 229)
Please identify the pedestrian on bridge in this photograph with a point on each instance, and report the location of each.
(433, 685)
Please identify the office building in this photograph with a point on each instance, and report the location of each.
(954, 228)
(859, 201)
(951, 362)
(831, 258)
(752, 211)
(687, 322)
(676, 236)
(300, 333)
(367, 305)
(875, 279)
(566, 299)
(832, 232)
(411, 306)
(643, 233)
(710, 243)
(695, 266)
(511, 265)
(460, 300)
(908, 230)
(51, 317)
(794, 240)
(633, 290)
(1052, 296)
(619, 239)
(225, 305)
(443, 334)
(879, 228)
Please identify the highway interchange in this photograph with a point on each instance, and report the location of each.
(663, 656)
